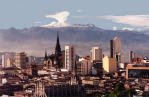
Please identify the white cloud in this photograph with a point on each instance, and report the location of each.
(60, 17)
(132, 20)
(127, 28)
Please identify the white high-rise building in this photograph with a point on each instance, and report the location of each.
(96, 54)
(3, 61)
(70, 57)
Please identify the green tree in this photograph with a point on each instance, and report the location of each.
(120, 91)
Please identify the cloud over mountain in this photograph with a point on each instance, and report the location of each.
(60, 17)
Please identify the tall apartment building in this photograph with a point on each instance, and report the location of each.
(132, 56)
(109, 64)
(21, 60)
(70, 57)
(115, 49)
(84, 66)
(96, 54)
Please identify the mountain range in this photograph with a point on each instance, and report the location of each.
(34, 40)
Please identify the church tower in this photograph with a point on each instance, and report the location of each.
(58, 47)
(54, 60)
(58, 53)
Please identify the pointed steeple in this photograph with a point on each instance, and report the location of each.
(46, 56)
(58, 47)
(58, 53)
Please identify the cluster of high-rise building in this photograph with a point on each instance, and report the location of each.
(7, 60)
(95, 63)
(65, 73)
(14, 59)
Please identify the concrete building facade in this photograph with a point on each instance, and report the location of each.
(70, 57)
(96, 54)
(84, 66)
(21, 60)
(137, 71)
(109, 65)
(115, 49)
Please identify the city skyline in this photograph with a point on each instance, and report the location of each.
(20, 22)
(74, 48)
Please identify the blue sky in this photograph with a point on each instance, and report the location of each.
(108, 14)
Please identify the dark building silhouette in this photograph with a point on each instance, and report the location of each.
(111, 49)
(131, 56)
(34, 70)
(115, 49)
(56, 59)
(9, 89)
(46, 56)
(58, 54)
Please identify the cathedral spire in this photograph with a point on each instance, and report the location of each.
(58, 47)
(46, 56)
(58, 53)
